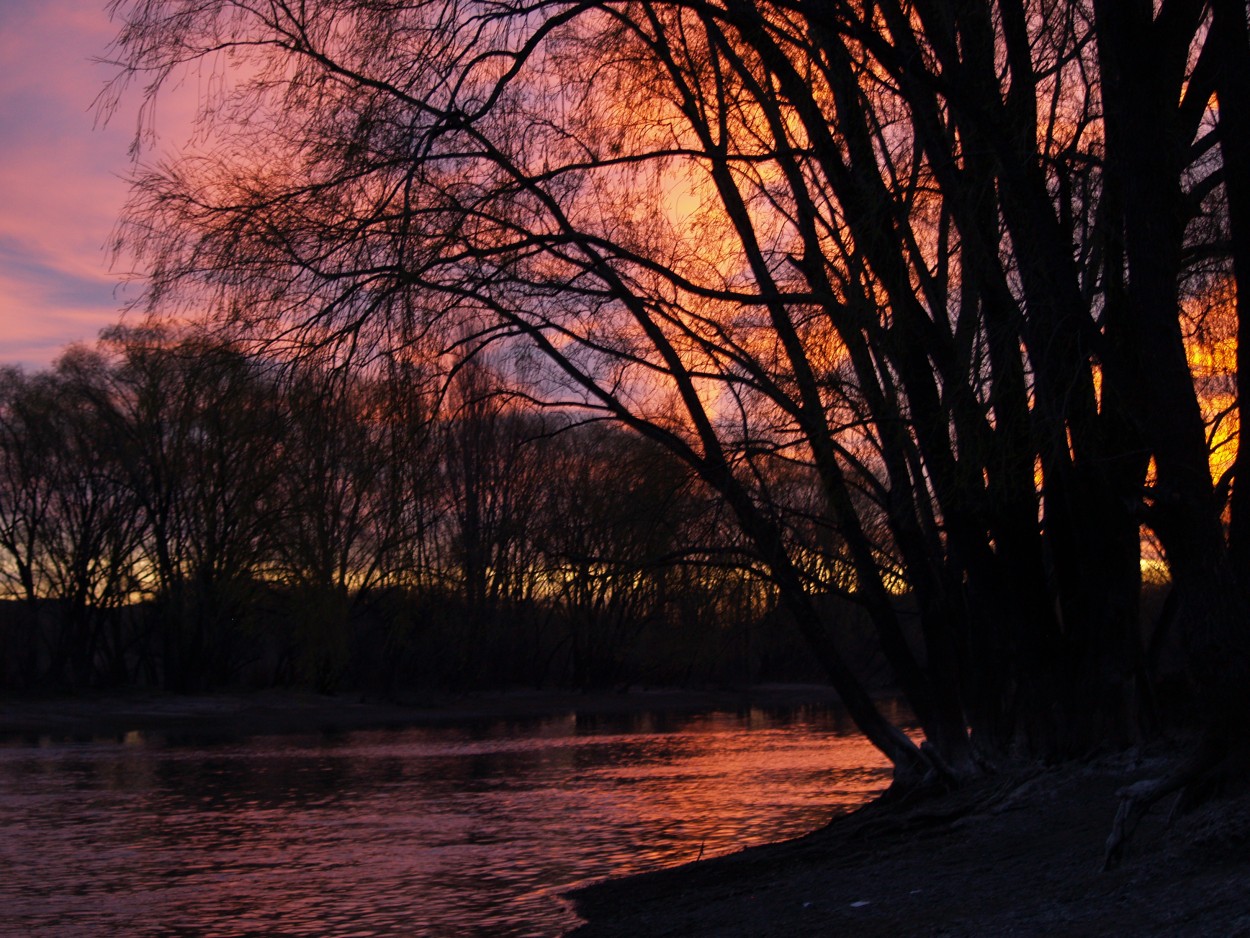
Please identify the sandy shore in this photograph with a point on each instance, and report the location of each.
(1014, 856)
(277, 712)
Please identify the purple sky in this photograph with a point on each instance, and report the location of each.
(61, 186)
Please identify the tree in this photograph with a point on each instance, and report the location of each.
(71, 527)
(197, 427)
(330, 531)
(615, 523)
(91, 547)
(932, 253)
(25, 497)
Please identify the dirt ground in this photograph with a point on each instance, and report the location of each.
(1019, 855)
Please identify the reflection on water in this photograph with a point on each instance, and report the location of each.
(472, 830)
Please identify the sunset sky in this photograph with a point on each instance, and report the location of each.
(61, 185)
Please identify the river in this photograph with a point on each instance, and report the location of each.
(446, 831)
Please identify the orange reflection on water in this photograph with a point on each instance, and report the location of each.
(455, 831)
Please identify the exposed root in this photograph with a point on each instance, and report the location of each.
(948, 774)
(1137, 799)
(931, 775)
(937, 806)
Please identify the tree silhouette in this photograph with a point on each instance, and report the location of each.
(932, 254)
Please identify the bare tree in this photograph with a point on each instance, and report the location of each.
(329, 528)
(25, 503)
(198, 427)
(615, 522)
(72, 528)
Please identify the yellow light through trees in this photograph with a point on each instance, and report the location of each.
(1211, 349)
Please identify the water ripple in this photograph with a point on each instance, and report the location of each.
(448, 831)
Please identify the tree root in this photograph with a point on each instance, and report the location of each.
(1137, 799)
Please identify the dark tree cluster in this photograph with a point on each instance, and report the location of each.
(176, 512)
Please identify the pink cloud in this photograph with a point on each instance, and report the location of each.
(61, 177)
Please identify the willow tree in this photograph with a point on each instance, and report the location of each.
(932, 253)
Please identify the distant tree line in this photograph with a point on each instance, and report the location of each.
(176, 512)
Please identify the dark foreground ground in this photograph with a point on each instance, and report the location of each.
(1014, 856)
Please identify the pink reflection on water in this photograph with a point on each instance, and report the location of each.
(452, 832)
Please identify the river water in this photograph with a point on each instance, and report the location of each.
(442, 831)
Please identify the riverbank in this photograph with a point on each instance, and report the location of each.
(86, 716)
(1011, 856)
